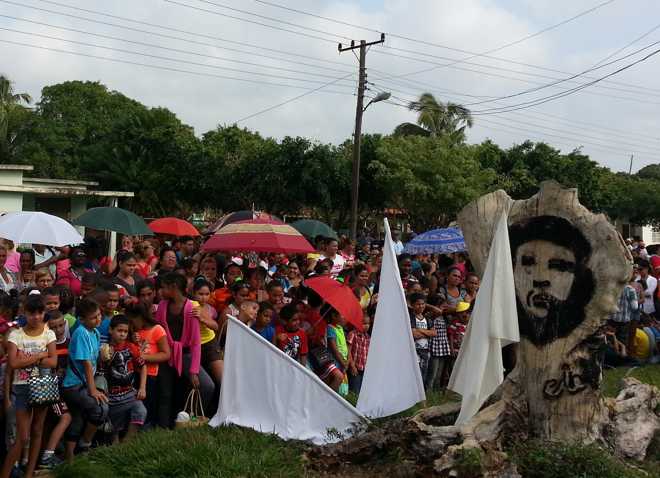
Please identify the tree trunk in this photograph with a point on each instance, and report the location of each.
(578, 266)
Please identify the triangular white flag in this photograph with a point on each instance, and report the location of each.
(392, 380)
(266, 390)
(479, 370)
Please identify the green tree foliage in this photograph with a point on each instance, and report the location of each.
(70, 129)
(429, 178)
(13, 117)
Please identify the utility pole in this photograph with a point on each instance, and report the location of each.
(355, 186)
(630, 168)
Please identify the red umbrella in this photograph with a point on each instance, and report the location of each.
(258, 235)
(339, 296)
(173, 226)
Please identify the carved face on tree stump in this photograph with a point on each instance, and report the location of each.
(552, 280)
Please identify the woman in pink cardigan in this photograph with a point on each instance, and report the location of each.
(176, 315)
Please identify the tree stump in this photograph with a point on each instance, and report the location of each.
(570, 266)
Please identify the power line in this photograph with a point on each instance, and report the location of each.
(341, 36)
(452, 63)
(634, 146)
(516, 42)
(290, 100)
(152, 45)
(166, 58)
(187, 32)
(543, 116)
(496, 75)
(438, 45)
(539, 101)
(629, 44)
(256, 46)
(594, 68)
(585, 12)
(206, 10)
(160, 67)
(416, 40)
(265, 17)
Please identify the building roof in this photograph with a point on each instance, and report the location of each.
(71, 182)
(16, 167)
(52, 187)
(65, 191)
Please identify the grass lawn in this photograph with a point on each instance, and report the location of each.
(202, 452)
(237, 452)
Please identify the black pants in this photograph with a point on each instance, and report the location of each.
(173, 389)
(151, 402)
(83, 408)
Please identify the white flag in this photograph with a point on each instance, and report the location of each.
(392, 380)
(479, 370)
(268, 391)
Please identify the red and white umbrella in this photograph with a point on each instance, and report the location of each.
(258, 235)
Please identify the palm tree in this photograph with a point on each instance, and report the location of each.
(436, 118)
(11, 109)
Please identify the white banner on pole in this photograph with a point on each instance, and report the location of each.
(266, 390)
(479, 370)
(392, 380)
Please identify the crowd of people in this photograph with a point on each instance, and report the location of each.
(128, 337)
(633, 332)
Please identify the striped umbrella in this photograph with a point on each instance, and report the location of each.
(236, 216)
(437, 241)
(258, 235)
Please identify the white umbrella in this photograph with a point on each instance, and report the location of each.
(38, 228)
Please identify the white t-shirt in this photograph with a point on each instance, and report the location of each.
(29, 345)
(649, 293)
(337, 264)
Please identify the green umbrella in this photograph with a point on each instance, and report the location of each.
(114, 219)
(312, 228)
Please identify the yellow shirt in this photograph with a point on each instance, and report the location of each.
(642, 345)
(206, 334)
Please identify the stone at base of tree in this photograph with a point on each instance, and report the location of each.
(634, 419)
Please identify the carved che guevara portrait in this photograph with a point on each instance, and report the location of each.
(553, 283)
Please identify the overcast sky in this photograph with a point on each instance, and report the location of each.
(609, 121)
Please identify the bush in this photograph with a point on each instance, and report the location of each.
(537, 459)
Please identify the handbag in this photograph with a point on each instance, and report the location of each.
(320, 356)
(43, 389)
(192, 415)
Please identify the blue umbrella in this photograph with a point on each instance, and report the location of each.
(437, 241)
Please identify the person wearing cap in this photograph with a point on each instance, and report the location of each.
(72, 277)
(457, 327)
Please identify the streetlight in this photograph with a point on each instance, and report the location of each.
(382, 96)
(385, 95)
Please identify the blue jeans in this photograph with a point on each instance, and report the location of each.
(434, 372)
(355, 382)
